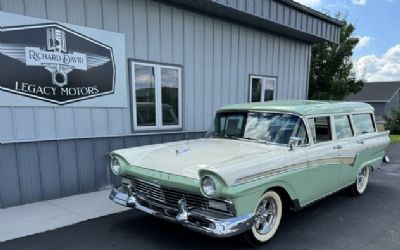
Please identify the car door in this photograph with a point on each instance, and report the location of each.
(347, 146)
(361, 126)
(323, 158)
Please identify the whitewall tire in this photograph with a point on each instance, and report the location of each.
(361, 183)
(267, 218)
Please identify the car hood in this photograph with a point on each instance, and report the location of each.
(227, 158)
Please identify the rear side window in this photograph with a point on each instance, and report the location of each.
(343, 127)
(320, 128)
(363, 123)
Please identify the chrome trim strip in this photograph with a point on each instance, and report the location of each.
(292, 167)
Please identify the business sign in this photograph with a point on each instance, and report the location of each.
(53, 63)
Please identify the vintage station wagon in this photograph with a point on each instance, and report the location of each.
(256, 160)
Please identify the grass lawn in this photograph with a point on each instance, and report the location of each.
(394, 138)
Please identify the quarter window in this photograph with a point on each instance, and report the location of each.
(363, 123)
(343, 127)
(157, 96)
(320, 128)
(262, 89)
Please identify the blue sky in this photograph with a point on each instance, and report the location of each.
(377, 57)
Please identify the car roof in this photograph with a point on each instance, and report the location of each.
(302, 107)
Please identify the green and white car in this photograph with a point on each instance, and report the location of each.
(257, 160)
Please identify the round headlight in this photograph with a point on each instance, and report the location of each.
(115, 167)
(208, 186)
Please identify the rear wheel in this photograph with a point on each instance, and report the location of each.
(267, 218)
(358, 188)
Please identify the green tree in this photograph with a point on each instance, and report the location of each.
(331, 74)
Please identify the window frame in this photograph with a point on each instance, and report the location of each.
(158, 96)
(332, 124)
(263, 78)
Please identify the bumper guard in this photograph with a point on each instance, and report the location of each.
(212, 224)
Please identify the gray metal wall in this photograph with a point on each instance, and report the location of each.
(34, 171)
(217, 57)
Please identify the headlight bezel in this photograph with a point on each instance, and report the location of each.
(115, 166)
(211, 188)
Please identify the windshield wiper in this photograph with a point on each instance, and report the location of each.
(256, 140)
(231, 137)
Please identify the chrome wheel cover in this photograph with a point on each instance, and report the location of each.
(362, 179)
(265, 216)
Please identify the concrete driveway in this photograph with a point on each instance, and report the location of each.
(337, 222)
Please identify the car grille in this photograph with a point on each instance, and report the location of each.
(150, 190)
(170, 197)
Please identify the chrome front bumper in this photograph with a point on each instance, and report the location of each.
(196, 219)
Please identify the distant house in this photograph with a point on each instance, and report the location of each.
(383, 96)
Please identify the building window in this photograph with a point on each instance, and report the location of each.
(157, 96)
(262, 88)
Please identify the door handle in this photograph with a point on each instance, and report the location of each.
(360, 142)
(337, 147)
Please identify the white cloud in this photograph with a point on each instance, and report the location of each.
(310, 3)
(385, 68)
(363, 42)
(359, 2)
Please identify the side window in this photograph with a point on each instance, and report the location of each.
(343, 127)
(262, 89)
(363, 124)
(320, 128)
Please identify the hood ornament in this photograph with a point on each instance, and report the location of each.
(182, 151)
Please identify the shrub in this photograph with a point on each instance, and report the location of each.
(393, 122)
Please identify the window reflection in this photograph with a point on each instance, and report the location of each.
(343, 127)
(145, 95)
(256, 85)
(170, 96)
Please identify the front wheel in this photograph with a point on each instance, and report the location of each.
(358, 188)
(267, 218)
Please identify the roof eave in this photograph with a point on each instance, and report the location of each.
(313, 12)
(226, 12)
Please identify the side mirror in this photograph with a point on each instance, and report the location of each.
(294, 141)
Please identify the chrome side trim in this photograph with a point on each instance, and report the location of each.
(292, 167)
(200, 221)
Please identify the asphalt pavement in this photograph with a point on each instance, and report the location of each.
(340, 221)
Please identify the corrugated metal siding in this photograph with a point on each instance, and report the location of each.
(35, 171)
(279, 12)
(217, 58)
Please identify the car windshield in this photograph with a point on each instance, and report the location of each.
(276, 128)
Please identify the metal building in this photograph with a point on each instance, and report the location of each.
(79, 78)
